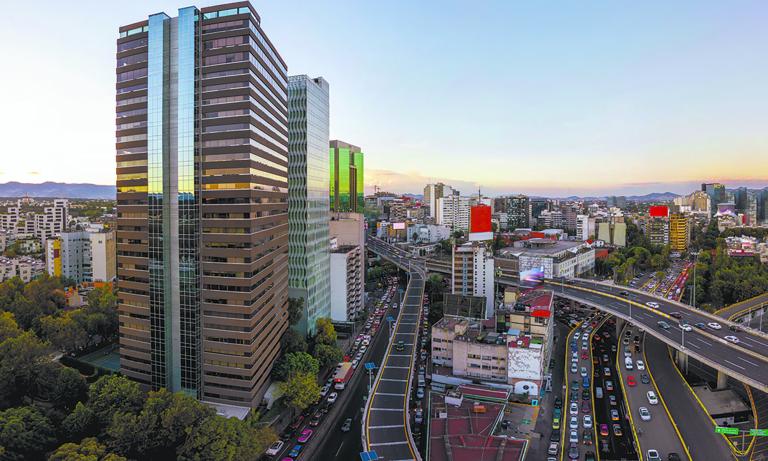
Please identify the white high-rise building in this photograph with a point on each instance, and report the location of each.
(583, 229)
(453, 211)
(433, 192)
(472, 273)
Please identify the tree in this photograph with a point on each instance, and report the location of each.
(328, 355)
(20, 358)
(64, 331)
(295, 363)
(292, 341)
(8, 326)
(295, 310)
(326, 333)
(301, 390)
(225, 439)
(25, 433)
(88, 449)
(60, 385)
(111, 394)
(81, 422)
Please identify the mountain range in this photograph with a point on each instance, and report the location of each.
(57, 190)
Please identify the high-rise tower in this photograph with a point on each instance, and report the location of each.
(308, 198)
(202, 178)
(347, 172)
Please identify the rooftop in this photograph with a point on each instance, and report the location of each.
(465, 432)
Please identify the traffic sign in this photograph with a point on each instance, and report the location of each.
(759, 432)
(727, 430)
(370, 365)
(368, 456)
(390, 318)
(535, 402)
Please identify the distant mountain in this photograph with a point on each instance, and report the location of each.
(57, 190)
(654, 197)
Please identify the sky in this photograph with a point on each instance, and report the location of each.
(549, 98)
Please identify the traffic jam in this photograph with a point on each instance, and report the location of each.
(420, 380)
(295, 437)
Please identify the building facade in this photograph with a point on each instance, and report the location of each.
(679, 232)
(346, 282)
(472, 273)
(453, 211)
(308, 198)
(202, 202)
(81, 256)
(347, 173)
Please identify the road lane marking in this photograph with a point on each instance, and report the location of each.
(393, 394)
(733, 364)
(748, 361)
(384, 409)
(394, 380)
(380, 444)
(391, 426)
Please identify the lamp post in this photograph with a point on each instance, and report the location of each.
(695, 263)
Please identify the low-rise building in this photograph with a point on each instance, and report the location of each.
(555, 258)
(82, 256)
(427, 233)
(24, 267)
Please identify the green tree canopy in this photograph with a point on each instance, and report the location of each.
(8, 326)
(326, 333)
(295, 310)
(25, 433)
(112, 394)
(301, 390)
(20, 358)
(225, 439)
(89, 449)
(328, 356)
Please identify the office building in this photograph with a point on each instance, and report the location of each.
(453, 211)
(346, 282)
(346, 165)
(518, 212)
(81, 256)
(555, 258)
(716, 193)
(202, 203)
(679, 232)
(308, 198)
(537, 206)
(427, 233)
(433, 192)
(472, 273)
(583, 229)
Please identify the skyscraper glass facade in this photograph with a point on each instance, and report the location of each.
(308, 198)
(347, 177)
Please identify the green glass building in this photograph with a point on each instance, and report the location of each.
(347, 170)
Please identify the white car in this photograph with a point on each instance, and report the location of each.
(652, 304)
(652, 399)
(640, 365)
(576, 335)
(332, 398)
(583, 372)
(686, 327)
(574, 423)
(275, 448)
(732, 339)
(714, 325)
(574, 408)
(645, 415)
(587, 421)
(574, 437)
(653, 455)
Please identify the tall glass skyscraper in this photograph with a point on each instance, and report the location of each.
(308, 198)
(347, 173)
(202, 202)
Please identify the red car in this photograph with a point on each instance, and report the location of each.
(604, 430)
(631, 382)
(584, 356)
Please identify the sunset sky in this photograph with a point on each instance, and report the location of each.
(550, 98)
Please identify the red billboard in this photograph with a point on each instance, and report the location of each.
(658, 211)
(480, 219)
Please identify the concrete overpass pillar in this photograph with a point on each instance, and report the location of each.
(682, 361)
(619, 326)
(722, 380)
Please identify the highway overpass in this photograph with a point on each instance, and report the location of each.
(746, 361)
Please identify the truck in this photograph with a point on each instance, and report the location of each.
(342, 376)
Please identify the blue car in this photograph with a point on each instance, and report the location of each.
(295, 452)
(585, 382)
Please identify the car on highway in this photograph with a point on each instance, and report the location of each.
(295, 451)
(400, 346)
(275, 448)
(589, 456)
(577, 335)
(645, 415)
(676, 315)
(652, 398)
(714, 325)
(553, 448)
(606, 372)
(631, 381)
(685, 327)
(583, 372)
(586, 437)
(575, 408)
(734, 328)
(640, 365)
(653, 455)
(558, 402)
(332, 397)
(315, 420)
(574, 368)
(585, 407)
(645, 379)
(420, 393)
(347, 425)
(673, 457)
(584, 355)
(587, 422)
(604, 430)
(663, 324)
(573, 437)
(652, 304)
(609, 385)
(305, 435)
(614, 415)
(573, 451)
(733, 339)
(617, 430)
(574, 422)
(555, 423)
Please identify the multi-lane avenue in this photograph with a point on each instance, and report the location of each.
(386, 423)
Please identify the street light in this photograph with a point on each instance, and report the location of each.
(695, 263)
